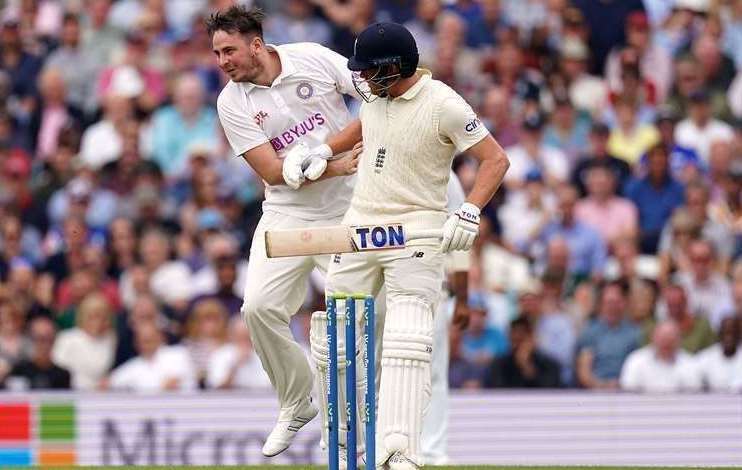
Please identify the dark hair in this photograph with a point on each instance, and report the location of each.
(620, 284)
(70, 17)
(237, 19)
(522, 322)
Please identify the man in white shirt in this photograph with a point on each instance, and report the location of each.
(284, 99)
(157, 368)
(235, 364)
(700, 129)
(720, 365)
(531, 154)
(661, 366)
(412, 128)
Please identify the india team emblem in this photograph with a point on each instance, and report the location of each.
(304, 90)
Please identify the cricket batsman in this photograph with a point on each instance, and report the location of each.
(281, 104)
(412, 126)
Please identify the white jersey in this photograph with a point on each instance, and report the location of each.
(304, 104)
(408, 145)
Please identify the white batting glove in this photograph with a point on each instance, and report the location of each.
(461, 228)
(316, 162)
(293, 173)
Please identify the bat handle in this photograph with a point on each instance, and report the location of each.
(425, 233)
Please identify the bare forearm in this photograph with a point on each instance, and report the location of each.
(344, 140)
(489, 177)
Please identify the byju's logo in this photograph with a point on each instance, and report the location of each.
(290, 135)
(37, 434)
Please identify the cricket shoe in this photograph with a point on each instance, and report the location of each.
(399, 462)
(290, 420)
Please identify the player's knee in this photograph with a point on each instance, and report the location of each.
(259, 309)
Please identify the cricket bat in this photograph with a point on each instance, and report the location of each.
(341, 239)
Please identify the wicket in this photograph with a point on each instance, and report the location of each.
(350, 379)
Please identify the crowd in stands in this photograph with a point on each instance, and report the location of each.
(609, 259)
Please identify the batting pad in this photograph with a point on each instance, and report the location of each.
(405, 378)
(319, 349)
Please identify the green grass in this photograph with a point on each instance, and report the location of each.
(463, 467)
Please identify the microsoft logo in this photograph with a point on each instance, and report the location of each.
(37, 434)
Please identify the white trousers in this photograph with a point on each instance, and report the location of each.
(435, 420)
(275, 289)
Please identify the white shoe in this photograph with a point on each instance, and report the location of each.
(399, 462)
(290, 420)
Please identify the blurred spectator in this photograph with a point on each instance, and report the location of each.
(84, 197)
(235, 364)
(224, 278)
(526, 212)
(69, 256)
(14, 178)
(296, 23)
(643, 301)
(75, 64)
(554, 331)
(697, 198)
(99, 39)
(661, 366)
(685, 164)
(709, 291)
(628, 265)
(178, 127)
(145, 310)
(53, 114)
(525, 366)
(157, 368)
(87, 351)
(606, 341)
(122, 247)
(422, 26)
(718, 70)
(102, 142)
(688, 80)
(586, 250)
(206, 331)
(606, 24)
(462, 373)
(532, 153)
(598, 155)
(39, 372)
(695, 331)
(587, 92)
(568, 131)
(481, 343)
(497, 115)
(630, 138)
(502, 270)
(720, 365)
(655, 62)
(700, 129)
(612, 216)
(14, 345)
(655, 195)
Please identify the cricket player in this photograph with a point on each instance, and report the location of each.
(283, 103)
(412, 126)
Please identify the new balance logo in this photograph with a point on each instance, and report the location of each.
(418, 254)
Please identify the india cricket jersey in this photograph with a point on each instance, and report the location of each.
(304, 104)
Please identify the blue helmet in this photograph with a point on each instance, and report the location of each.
(389, 50)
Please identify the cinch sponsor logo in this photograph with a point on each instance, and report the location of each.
(37, 434)
(290, 135)
(473, 124)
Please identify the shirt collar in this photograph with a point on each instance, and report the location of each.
(425, 77)
(287, 68)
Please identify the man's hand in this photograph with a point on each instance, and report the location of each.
(460, 316)
(461, 228)
(293, 173)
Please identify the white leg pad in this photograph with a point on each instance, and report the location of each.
(405, 378)
(319, 349)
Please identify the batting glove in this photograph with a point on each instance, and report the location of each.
(461, 228)
(293, 173)
(317, 162)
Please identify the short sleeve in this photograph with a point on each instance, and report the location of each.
(459, 124)
(241, 130)
(337, 67)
